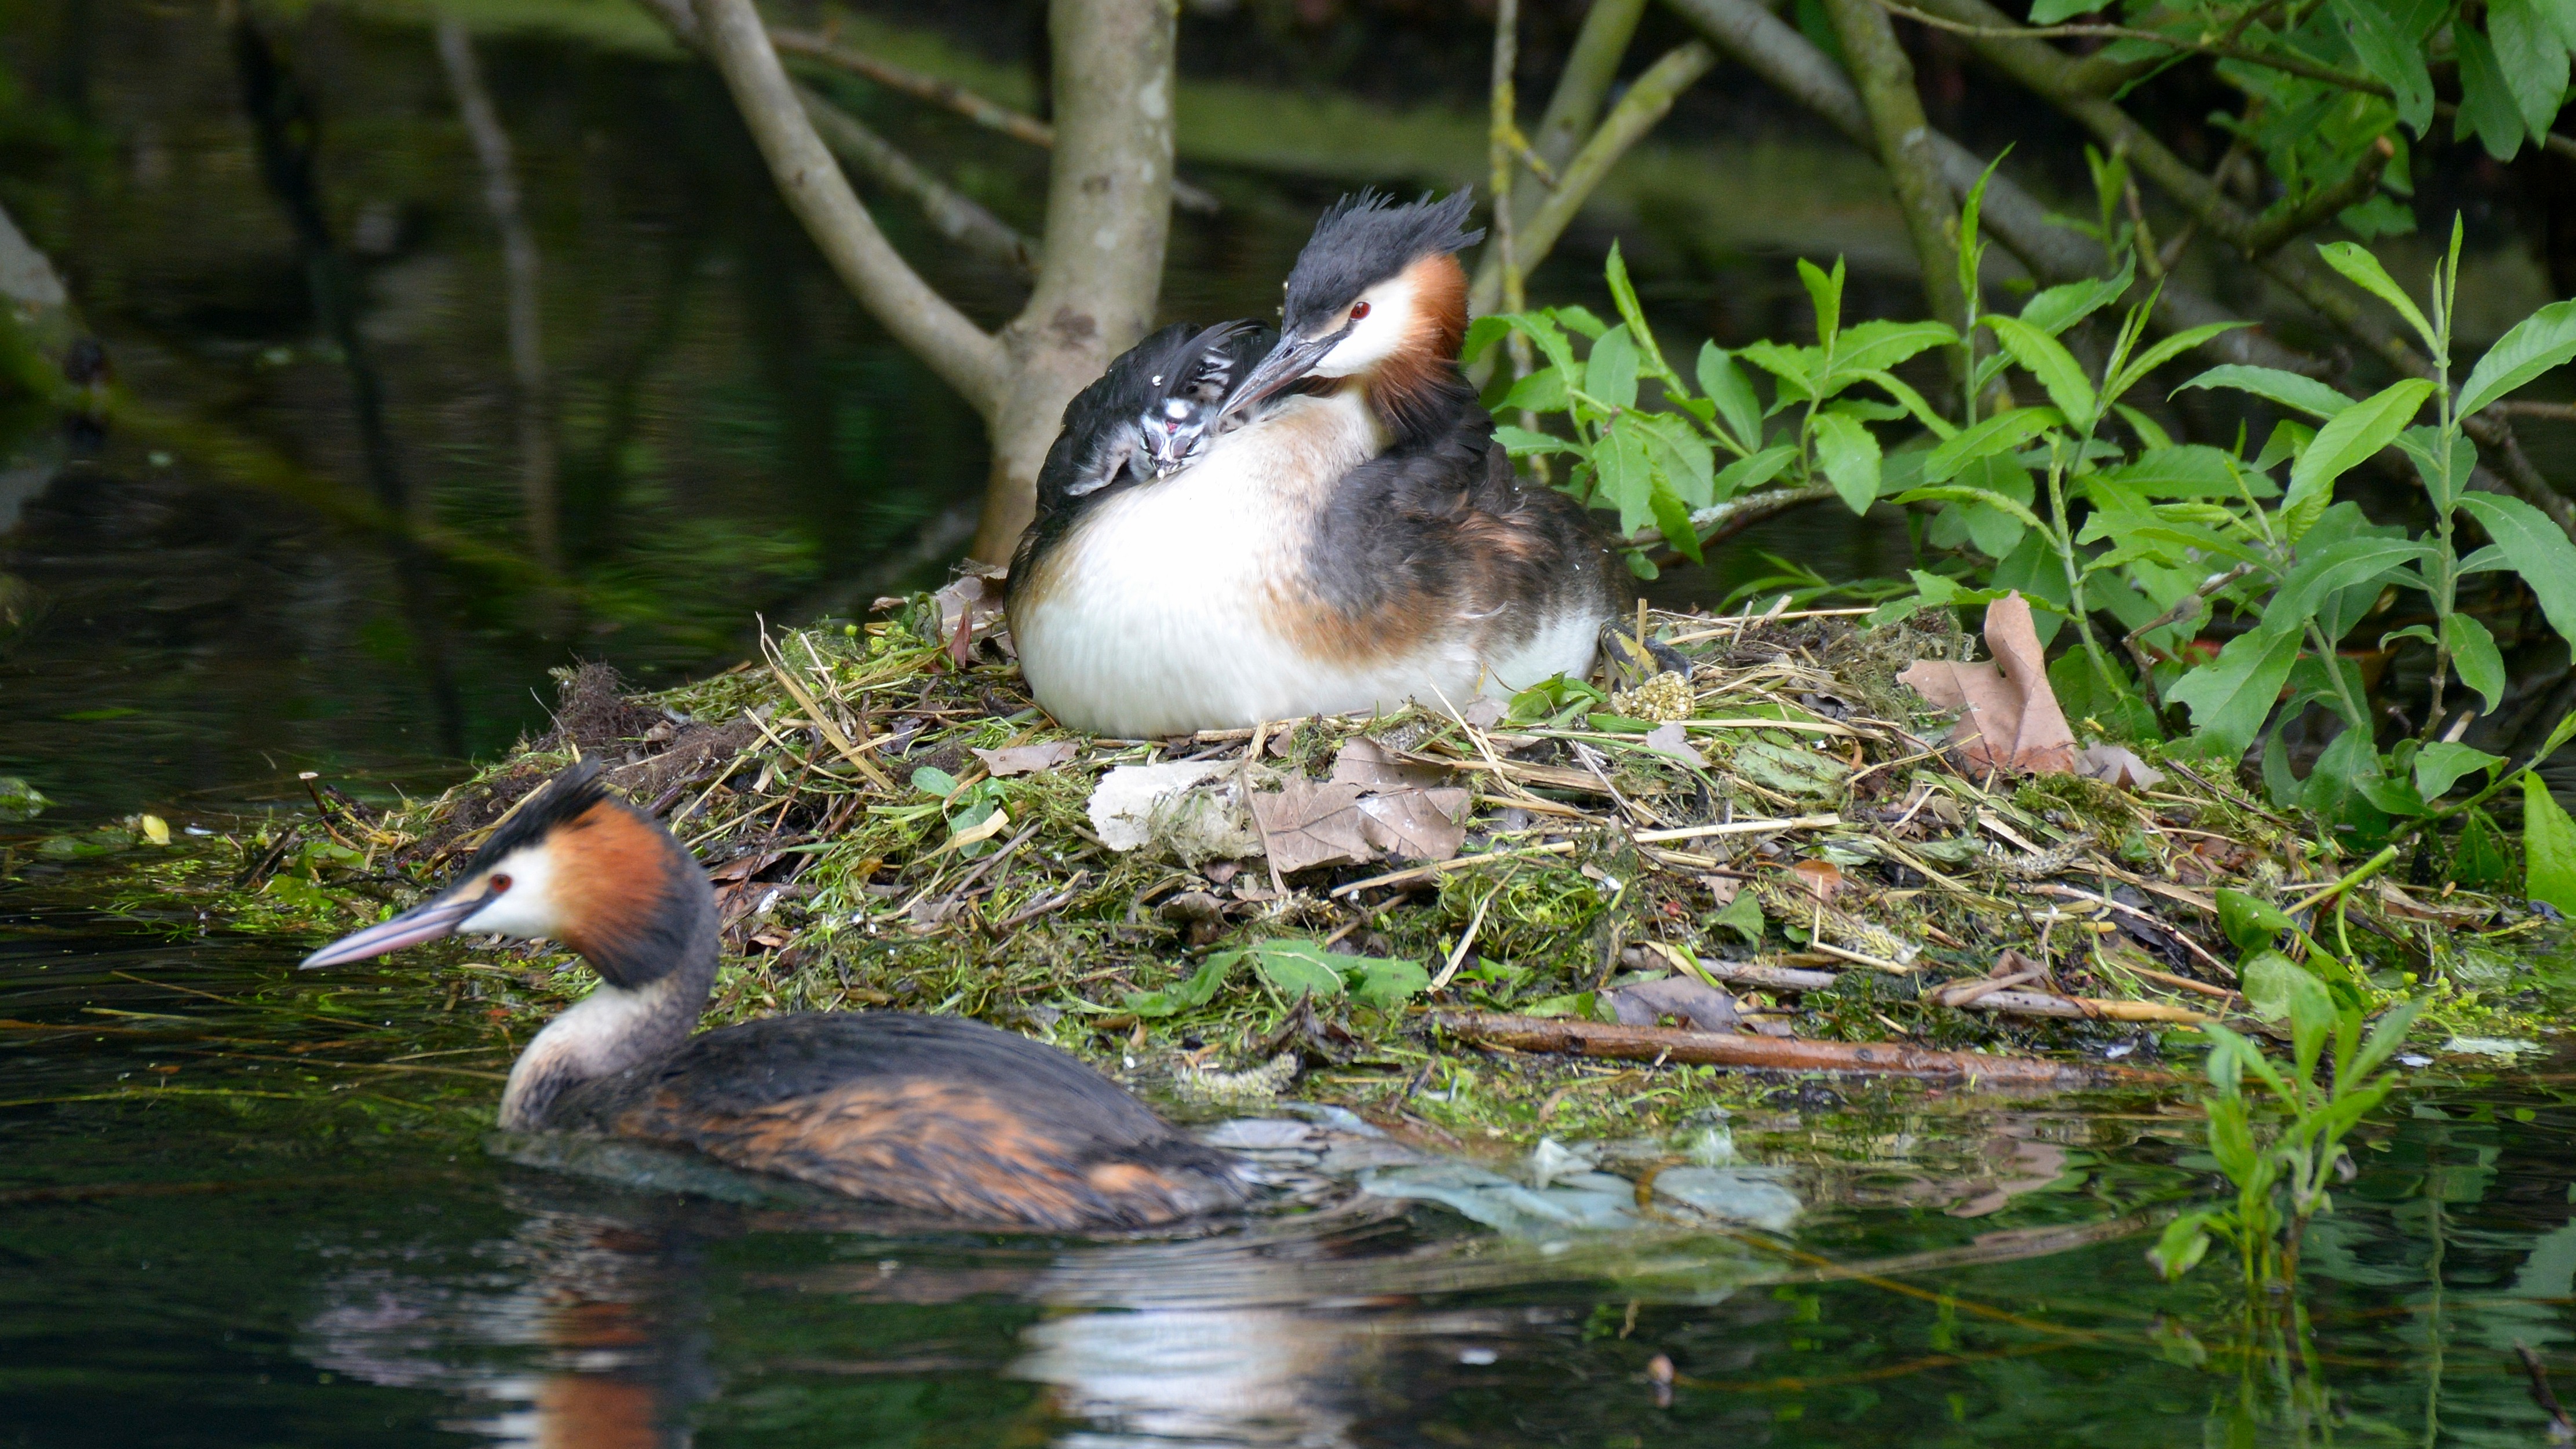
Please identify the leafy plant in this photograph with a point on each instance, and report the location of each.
(2283, 1150)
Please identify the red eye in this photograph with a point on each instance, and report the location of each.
(498, 884)
(1358, 310)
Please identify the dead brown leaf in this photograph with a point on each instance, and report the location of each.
(1372, 766)
(1819, 878)
(2011, 719)
(1416, 824)
(1308, 824)
(2119, 765)
(970, 608)
(1695, 1004)
(1026, 759)
(1673, 742)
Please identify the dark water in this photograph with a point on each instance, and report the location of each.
(241, 1207)
(237, 1211)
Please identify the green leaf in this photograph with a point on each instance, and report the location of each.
(1542, 391)
(1483, 333)
(2045, 358)
(1298, 968)
(2166, 350)
(2343, 564)
(1627, 477)
(2230, 696)
(1382, 982)
(2442, 482)
(1825, 290)
(2439, 766)
(1743, 916)
(2289, 389)
(1194, 991)
(1682, 455)
(2483, 858)
(930, 780)
(2276, 986)
(2548, 847)
(1749, 473)
(1521, 442)
(2365, 272)
(2251, 922)
(2475, 656)
(2534, 61)
(1624, 295)
(2538, 550)
(2188, 470)
(2054, 309)
(2487, 105)
(2390, 53)
(2003, 432)
(1724, 384)
(2055, 12)
(1673, 520)
(1611, 373)
(2352, 436)
(1952, 493)
(2113, 704)
(1850, 457)
(2386, 1036)
(2537, 343)
(2561, 15)
(1878, 346)
(1579, 319)
(2185, 1240)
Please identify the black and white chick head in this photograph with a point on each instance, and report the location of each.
(1153, 412)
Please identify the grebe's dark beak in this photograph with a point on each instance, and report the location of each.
(1287, 362)
(421, 923)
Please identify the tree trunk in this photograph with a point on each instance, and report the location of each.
(1109, 202)
(1109, 208)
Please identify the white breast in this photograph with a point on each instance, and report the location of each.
(1158, 615)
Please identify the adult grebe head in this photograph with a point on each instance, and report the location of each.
(573, 865)
(577, 866)
(1376, 294)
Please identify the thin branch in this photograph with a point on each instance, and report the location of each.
(2272, 230)
(964, 355)
(1649, 96)
(952, 214)
(1904, 146)
(1571, 111)
(948, 94)
(1722, 521)
(2217, 50)
(1770, 47)
(2547, 412)
(1503, 146)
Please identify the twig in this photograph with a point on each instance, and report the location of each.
(1441, 868)
(2544, 411)
(1591, 67)
(1648, 97)
(1879, 66)
(940, 91)
(2271, 231)
(964, 355)
(2561, 1431)
(1739, 827)
(951, 213)
(1466, 943)
(1770, 1053)
(2079, 1008)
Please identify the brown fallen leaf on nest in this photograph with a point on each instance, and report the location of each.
(970, 608)
(2010, 717)
(1026, 759)
(1372, 803)
(1821, 878)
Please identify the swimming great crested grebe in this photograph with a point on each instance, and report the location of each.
(1356, 541)
(927, 1112)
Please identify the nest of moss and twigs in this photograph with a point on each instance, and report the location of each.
(1756, 838)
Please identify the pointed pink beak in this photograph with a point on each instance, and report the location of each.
(428, 922)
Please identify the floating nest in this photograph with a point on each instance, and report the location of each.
(1760, 817)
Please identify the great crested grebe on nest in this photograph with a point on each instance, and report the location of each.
(933, 1113)
(1348, 537)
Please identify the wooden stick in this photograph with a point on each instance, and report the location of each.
(1739, 827)
(2079, 1008)
(1771, 1053)
(1426, 872)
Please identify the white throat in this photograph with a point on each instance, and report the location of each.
(607, 1031)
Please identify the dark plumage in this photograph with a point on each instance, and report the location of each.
(1364, 239)
(1151, 412)
(931, 1113)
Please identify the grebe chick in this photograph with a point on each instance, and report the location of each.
(1349, 539)
(1153, 412)
(933, 1113)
